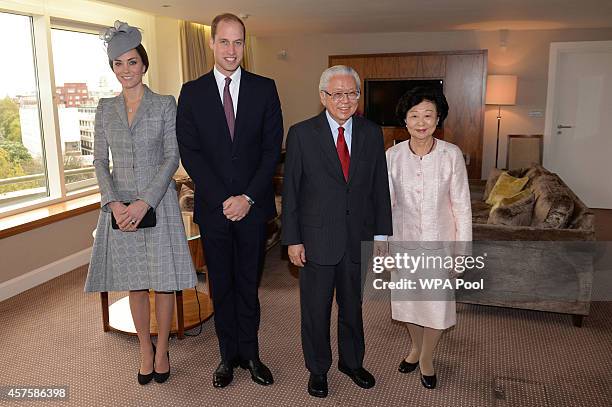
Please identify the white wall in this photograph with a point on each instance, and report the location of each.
(168, 50)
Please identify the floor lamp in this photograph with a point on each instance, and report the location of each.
(501, 91)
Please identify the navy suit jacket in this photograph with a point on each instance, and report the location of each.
(323, 211)
(220, 167)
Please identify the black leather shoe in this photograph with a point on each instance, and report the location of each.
(407, 367)
(317, 385)
(360, 376)
(162, 377)
(223, 375)
(429, 381)
(259, 372)
(146, 378)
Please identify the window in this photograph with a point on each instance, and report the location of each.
(23, 173)
(53, 72)
(82, 71)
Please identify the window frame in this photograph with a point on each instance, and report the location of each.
(87, 188)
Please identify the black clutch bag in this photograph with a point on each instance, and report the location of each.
(148, 221)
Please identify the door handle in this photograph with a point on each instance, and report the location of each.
(560, 128)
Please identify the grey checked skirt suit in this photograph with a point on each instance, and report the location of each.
(145, 156)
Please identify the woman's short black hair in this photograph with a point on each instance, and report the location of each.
(143, 56)
(419, 94)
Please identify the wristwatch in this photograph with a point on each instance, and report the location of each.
(249, 200)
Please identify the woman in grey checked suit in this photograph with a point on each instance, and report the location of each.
(138, 126)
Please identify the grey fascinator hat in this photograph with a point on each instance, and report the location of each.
(120, 39)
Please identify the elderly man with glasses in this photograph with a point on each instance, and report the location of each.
(335, 196)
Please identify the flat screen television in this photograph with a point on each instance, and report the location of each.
(381, 97)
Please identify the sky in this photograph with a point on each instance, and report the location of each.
(77, 57)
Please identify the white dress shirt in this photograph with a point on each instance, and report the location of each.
(234, 86)
(348, 130)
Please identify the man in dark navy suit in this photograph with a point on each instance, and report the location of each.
(335, 195)
(230, 131)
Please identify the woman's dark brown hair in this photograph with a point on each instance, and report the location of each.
(143, 56)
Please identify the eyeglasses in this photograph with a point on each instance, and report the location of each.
(338, 96)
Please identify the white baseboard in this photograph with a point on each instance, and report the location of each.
(43, 274)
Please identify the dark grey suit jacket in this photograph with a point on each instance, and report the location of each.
(320, 209)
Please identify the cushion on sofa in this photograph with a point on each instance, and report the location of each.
(494, 175)
(491, 180)
(535, 171)
(516, 210)
(582, 218)
(185, 198)
(505, 187)
(480, 211)
(554, 205)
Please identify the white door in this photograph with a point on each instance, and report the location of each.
(578, 129)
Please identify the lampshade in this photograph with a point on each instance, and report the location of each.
(501, 90)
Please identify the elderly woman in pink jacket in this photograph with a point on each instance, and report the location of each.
(431, 210)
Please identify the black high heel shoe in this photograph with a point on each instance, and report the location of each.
(162, 377)
(146, 378)
(429, 382)
(407, 367)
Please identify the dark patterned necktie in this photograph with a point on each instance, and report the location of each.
(228, 107)
(343, 153)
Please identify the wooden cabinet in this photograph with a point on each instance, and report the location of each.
(464, 74)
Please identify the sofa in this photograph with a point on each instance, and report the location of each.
(539, 249)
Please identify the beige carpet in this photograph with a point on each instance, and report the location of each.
(52, 335)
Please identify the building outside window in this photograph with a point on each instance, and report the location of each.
(81, 79)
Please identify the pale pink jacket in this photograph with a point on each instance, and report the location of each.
(430, 197)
